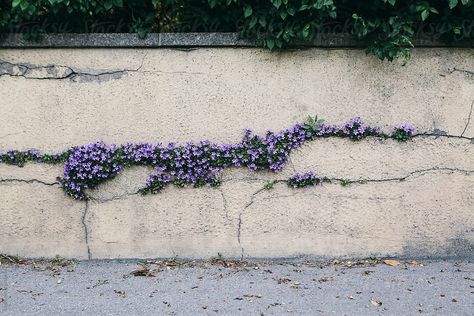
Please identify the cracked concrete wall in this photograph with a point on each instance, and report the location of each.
(418, 199)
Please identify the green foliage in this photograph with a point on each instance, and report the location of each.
(269, 185)
(345, 182)
(313, 124)
(388, 26)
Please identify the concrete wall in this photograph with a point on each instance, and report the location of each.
(419, 199)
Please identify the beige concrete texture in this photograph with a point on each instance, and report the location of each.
(417, 200)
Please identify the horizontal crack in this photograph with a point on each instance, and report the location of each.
(403, 178)
(439, 133)
(27, 71)
(29, 181)
(364, 181)
(113, 198)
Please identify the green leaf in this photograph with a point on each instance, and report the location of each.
(108, 5)
(15, 3)
(270, 44)
(306, 31)
(253, 22)
(453, 3)
(424, 14)
(248, 11)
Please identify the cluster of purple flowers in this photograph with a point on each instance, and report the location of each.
(19, 158)
(88, 166)
(155, 183)
(403, 132)
(302, 180)
(195, 164)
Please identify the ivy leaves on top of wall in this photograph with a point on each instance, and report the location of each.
(387, 26)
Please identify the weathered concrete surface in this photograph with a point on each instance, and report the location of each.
(269, 288)
(426, 215)
(189, 222)
(166, 95)
(37, 220)
(54, 99)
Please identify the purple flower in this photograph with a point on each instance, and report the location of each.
(304, 180)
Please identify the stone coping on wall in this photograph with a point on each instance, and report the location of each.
(189, 40)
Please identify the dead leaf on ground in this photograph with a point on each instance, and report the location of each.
(326, 279)
(284, 280)
(416, 263)
(121, 293)
(376, 303)
(392, 263)
(143, 271)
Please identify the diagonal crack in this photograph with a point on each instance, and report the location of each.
(466, 71)
(468, 119)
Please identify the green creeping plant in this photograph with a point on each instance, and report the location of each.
(387, 27)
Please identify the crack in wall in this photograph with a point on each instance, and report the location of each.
(465, 71)
(29, 181)
(224, 201)
(239, 222)
(439, 133)
(61, 72)
(393, 179)
(468, 120)
(113, 198)
(86, 230)
(252, 200)
(403, 178)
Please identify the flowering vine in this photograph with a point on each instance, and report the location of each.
(196, 164)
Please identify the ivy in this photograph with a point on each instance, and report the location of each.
(388, 26)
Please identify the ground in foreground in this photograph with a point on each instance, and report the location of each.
(226, 287)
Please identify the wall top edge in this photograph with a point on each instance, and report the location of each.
(189, 40)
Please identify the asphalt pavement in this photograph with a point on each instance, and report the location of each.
(228, 287)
